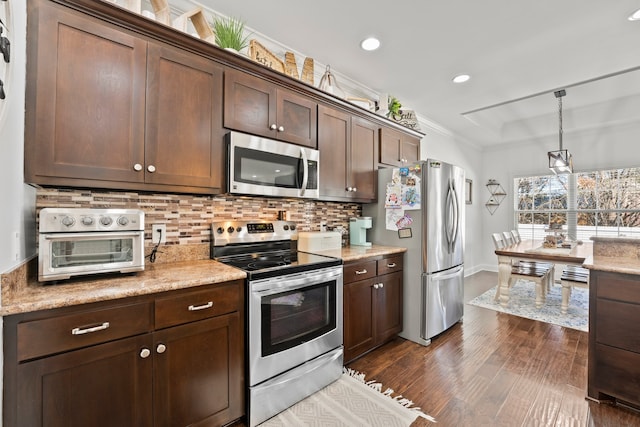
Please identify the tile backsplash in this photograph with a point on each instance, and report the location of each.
(188, 217)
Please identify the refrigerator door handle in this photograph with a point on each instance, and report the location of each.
(452, 215)
(456, 216)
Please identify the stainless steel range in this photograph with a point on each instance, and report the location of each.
(294, 313)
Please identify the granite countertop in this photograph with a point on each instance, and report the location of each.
(22, 293)
(615, 254)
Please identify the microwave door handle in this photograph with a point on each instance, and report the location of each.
(305, 175)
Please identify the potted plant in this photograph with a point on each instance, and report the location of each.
(229, 34)
(394, 108)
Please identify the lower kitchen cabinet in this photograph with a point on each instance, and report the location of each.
(171, 359)
(614, 337)
(372, 304)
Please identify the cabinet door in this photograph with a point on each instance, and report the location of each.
(388, 306)
(363, 158)
(249, 104)
(390, 141)
(334, 138)
(297, 119)
(184, 136)
(85, 103)
(103, 385)
(359, 318)
(410, 149)
(199, 372)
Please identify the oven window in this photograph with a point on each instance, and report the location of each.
(291, 318)
(263, 168)
(69, 253)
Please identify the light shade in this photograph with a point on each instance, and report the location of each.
(560, 161)
(370, 43)
(329, 84)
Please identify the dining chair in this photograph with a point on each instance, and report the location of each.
(508, 238)
(572, 276)
(516, 236)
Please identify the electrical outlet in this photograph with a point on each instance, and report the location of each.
(159, 233)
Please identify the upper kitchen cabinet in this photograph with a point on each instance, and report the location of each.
(109, 109)
(348, 156)
(398, 148)
(260, 107)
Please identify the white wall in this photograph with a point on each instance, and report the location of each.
(594, 149)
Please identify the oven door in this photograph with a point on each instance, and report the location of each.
(271, 168)
(293, 319)
(63, 255)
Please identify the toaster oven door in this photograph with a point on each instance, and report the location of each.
(63, 255)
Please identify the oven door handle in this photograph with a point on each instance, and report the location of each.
(293, 282)
(90, 235)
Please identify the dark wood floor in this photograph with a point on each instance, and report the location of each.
(494, 369)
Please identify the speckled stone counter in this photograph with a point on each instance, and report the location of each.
(615, 254)
(22, 293)
(353, 253)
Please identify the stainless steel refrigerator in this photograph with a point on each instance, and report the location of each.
(428, 220)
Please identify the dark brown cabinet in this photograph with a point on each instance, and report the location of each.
(372, 304)
(398, 148)
(260, 107)
(614, 337)
(108, 108)
(348, 156)
(172, 359)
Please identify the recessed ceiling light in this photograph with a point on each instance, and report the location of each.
(461, 78)
(370, 43)
(635, 16)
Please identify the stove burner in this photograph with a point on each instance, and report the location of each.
(265, 264)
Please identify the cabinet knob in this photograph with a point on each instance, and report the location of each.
(151, 168)
(354, 189)
(281, 129)
(376, 286)
(273, 127)
(137, 167)
(381, 285)
(349, 188)
(144, 353)
(161, 348)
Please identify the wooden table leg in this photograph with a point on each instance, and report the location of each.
(504, 273)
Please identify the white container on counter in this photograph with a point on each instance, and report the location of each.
(311, 241)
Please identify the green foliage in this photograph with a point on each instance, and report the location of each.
(394, 107)
(229, 33)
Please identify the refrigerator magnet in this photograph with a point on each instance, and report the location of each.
(404, 233)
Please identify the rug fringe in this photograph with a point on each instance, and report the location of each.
(407, 403)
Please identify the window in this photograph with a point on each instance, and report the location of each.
(602, 203)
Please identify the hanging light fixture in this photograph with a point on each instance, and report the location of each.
(329, 84)
(560, 161)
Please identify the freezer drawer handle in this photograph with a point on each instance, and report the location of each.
(201, 307)
(78, 331)
(361, 271)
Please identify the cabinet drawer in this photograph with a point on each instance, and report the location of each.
(617, 373)
(197, 305)
(66, 332)
(617, 324)
(619, 287)
(359, 271)
(389, 265)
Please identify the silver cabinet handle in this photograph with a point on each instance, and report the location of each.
(281, 129)
(137, 167)
(78, 331)
(273, 126)
(361, 271)
(144, 353)
(201, 307)
(151, 168)
(161, 348)
(393, 264)
(381, 285)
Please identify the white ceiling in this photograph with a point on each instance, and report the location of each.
(517, 53)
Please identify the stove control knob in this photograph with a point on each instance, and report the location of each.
(87, 220)
(293, 227)
(106, 221)
(230, 230)
(286, 227)
(68, 221)
(239, 229)
(123, 220)
(220, 230)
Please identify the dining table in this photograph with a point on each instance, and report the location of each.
(533, 250)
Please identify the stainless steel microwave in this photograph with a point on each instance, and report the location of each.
(265, 167)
